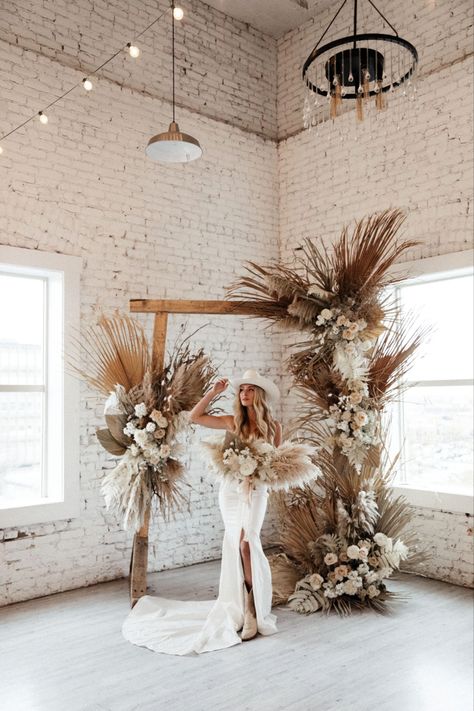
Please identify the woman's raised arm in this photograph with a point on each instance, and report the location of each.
(198, 413)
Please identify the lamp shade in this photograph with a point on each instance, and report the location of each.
(172, 146)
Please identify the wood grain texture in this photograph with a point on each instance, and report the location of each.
(192, 307)
(66, 651)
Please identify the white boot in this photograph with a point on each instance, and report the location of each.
(249, 630)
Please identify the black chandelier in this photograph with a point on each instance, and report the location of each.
(358, 66)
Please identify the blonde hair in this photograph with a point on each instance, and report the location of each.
(263, 418)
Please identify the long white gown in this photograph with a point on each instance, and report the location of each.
(185, 627)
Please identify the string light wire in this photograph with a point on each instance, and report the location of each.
(80, 83)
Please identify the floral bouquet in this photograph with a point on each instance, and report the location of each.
(249, 462)
(353, 571)
(145, 414)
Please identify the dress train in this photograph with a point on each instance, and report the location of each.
(183, 627)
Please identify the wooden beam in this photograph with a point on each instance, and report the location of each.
(242, 308)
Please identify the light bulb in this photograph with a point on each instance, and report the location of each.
(178, 14)
(87, 84)
(133, 50)
(42, 117)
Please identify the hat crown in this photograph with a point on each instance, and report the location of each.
(251, 374)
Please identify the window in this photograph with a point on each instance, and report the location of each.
(433, 419)
(39, 297)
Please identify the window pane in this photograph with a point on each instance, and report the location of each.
(21, 330)
(438, 432)
(21, 425)
(447, 307)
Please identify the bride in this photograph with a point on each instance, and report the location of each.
(245, 587)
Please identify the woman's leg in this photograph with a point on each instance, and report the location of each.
(246, 560)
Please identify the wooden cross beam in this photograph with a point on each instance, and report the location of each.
(161, 308)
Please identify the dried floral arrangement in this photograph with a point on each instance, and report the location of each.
(343, 536)
(145, 414)
(252, 461)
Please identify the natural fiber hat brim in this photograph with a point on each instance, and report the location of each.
(270, 388)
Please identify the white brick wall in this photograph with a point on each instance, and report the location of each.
(224, 68)
(82, 185)
(424, 168)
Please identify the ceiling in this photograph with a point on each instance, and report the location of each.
(273, 17)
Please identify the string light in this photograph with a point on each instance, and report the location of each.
(86, 82)
(178, 13)
(133, 50)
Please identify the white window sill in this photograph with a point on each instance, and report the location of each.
(38, 513)
(440, 500)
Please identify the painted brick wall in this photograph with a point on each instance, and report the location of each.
(83, 186)
(424, 167)
(225, 69)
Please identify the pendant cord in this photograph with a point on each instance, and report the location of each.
(355, 22)
(329, 26)
(383, 17)
(172, 43)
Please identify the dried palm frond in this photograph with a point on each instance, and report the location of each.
(271, 289)
(360, 261)
(285, 575)
(117, 348)
(391, 359)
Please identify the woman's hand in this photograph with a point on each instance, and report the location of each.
(219, 386)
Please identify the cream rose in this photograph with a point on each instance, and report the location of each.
(353, 552)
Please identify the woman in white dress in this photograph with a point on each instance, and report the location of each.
(245, 586)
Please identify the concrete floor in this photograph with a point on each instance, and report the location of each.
(65, 652)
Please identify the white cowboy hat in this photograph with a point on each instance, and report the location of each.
(252, 377)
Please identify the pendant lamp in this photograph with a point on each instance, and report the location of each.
(173, 146)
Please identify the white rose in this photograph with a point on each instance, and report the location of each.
(161, 421)
(140, 410)
(380, 539)
(363, 568)
(330, 558)
(371, 577)
(363, 553)
(159, 434)
(353, 552)
(141, 437)
(372, 591)
(326, 314)
(350, 587)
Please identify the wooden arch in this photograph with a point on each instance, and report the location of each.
(162, 308)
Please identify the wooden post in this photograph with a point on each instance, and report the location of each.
(161, 308)
(139, 559)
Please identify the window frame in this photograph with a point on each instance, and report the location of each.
(62, 273)
(445, 266)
